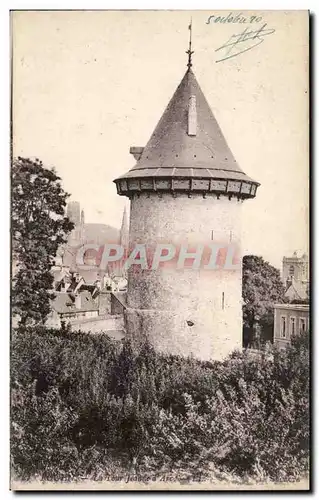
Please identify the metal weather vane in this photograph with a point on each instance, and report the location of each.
(190, 52)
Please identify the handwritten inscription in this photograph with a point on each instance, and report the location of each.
(231, 18)
(242, 42)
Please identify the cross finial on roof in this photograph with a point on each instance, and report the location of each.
(190, 52)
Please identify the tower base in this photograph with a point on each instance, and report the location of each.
(171, 332)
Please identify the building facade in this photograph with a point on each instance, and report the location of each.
(289, 320)
(186, 187)
(295, 275)
(82, 300)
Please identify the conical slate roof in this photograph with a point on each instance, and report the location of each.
(176, 151)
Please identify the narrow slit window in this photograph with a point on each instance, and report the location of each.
(212, 235)
(302, 325)
(283, 327)
(223, 300)
(292, 326)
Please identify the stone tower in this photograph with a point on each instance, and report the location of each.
(295, 267)
(124, 232)
(186, 186)
(76, 215)
(73, 212)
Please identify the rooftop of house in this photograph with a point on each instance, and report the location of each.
(65, 302)
(293, 307)
(297, 289)
(121, 297)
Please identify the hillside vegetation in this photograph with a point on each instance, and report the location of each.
(88, 407)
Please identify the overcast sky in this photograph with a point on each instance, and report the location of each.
(88, 85)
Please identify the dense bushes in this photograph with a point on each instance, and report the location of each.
(88, 406)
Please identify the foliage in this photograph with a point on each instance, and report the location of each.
(86, 406)
(38, 229)
(262, 288)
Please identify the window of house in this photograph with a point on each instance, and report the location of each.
(291, 270)
(302, 325)
(212, 235)
(292, 326)
(230, 235)
(223, 300)
(283, 327)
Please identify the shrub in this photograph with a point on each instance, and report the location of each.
(87, 406)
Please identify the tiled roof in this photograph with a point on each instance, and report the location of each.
(297, 290)
(172, 152)
(121, 297)
(65, 303)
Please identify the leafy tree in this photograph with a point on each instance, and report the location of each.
(38, 228)
(262, 288)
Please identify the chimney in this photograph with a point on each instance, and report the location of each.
(78, 301)
(192, 116)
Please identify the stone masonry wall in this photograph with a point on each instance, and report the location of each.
(112, 325)
(185, 311)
